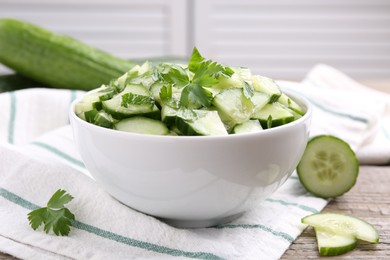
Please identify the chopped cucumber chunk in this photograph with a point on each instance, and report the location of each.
(343, 225)
(233, 107)
(99, 118)
(200, 122)
(291, 104)
(142, 125)
(331, 244)
(259, 101)
(169, 115)
(328, 167)
(250, 126)
(267, 86)
(117, 110)
(272, 115)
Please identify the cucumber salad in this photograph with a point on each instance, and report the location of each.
(201, 98)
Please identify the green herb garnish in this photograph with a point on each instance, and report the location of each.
(135, 99)
(54, 216)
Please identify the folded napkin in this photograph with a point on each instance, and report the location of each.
(37, 157)
(349, 110)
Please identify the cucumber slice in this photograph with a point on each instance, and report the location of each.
(331, 244)
(142, 125)
(99, 118)
(250, 126)
(199, 122)
(272, 115)
(233, 107)
(168, 115)
(328, 167)
(343, 225)
(114, 106)
(267, 86)
(259, 101)
(291, 104)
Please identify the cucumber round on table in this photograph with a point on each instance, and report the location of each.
(343, 225)
(328, 167)
(56, 60)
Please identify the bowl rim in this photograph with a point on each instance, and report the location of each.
(297, 97)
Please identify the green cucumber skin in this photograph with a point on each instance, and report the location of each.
(154, 114)
(56, 60)
(334, 251)
(276, 122)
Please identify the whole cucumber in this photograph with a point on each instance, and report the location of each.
(56, 60)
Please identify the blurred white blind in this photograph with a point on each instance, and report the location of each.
(130, 29)
(285, 38)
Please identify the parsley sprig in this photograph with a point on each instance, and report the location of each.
(54, 216)
(201, 74)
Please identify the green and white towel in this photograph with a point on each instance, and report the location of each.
(37, 157)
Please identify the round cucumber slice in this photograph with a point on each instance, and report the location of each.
(331, 244)
(343, 225)
(328, 167)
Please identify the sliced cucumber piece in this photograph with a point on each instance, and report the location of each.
(92, 100)
(237, 80)
(142, 125)
(233, 107)
(331, 244)
(343, 225)
(267, 86)
(250, 126)
(291, 104)
(99, 118)
(272, 115)
(200, 122)
(114, 106)
(328, 167)
(168, 115)
(259, 101)
(155, 92)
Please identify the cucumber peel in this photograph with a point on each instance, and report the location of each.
(328, 167)
(331, 244)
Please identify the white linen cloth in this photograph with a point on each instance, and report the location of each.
(37, 157)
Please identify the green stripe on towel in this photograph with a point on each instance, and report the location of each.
(113, 236)
(283, 235)
(59, 153)
(306, 208)
(12, 115)
(337, 113)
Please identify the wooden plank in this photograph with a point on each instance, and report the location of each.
(369, 200)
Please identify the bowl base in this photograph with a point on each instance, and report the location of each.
(200, 223)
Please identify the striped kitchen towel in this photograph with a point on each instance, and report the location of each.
(37, 157)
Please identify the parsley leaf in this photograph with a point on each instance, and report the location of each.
(206, 73)
(54, 216)
(166, 93)
(174, 74)
(194, 94)
(135, 99)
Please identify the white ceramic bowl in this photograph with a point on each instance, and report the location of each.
(192, 181)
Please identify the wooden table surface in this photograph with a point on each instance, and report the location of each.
(369, 200)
